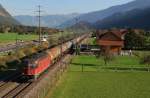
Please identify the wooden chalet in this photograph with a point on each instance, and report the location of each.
(111, 41)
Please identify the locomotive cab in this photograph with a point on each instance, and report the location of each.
(35, 65)
(28, 67)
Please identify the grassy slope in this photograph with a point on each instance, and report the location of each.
(11, 37)
(102, 84)
(90, 41)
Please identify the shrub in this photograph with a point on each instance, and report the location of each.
(20, 54)
(108, 58)
(105, 56)
(136, 53)
(27, 51)
(146, 60)
(45, 45)
(2, 62)
(11, 58)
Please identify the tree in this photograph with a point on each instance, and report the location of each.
(77, 49)
(2, 28)
(134, 40)
(105, 54)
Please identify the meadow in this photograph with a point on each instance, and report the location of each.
(91, 63)
(11, 37)
(97, 83)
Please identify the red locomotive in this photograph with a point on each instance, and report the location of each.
(38, 63)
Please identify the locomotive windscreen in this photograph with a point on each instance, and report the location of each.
(25, 63)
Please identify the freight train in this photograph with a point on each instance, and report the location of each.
(35, 65)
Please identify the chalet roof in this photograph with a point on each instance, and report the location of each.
(118, 33)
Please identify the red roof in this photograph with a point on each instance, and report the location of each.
(111, 38)
(118, 33)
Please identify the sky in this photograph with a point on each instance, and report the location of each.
(51, 7)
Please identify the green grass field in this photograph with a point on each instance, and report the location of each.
(11, 37)
(94, 64)
(103, 85)
(93, 83)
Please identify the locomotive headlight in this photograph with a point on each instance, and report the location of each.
(34, 65)
(36, 62)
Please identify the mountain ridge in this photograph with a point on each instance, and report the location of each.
(48, 20)
(6, 18)
(92, 17)
(136, 18)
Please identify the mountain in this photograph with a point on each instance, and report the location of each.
(6, 18)
(92, 17)
(81, 26)
(48, 21)
(137, 18)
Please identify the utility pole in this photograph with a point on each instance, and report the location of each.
(39, 19)
(76, 24)
(16, 41)
(61, 38)
(76, 44)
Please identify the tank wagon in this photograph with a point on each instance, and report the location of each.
(40, 62)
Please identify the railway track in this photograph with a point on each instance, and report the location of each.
(9, 85)
(14, 92)
(8, 78)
